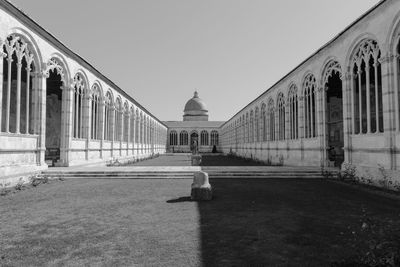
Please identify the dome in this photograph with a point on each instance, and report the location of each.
(195, 109)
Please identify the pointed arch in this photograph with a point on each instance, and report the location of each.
(271, 120)
(309, 104)
(21, 61)
(293, 112)
(95, 111)
(281, 108)
(366, 81)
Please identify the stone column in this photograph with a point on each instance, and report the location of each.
(2, 55)
(101, 128)
(396, 84)
(87, 121)
(388, 100)
(66, 122)
(20, 52)
(42, 86)
(301, 122)
(128, 133)
(112, 127)
(347, 115)
(28, 69)
(321, 118)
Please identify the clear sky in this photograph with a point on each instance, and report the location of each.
(160, 51)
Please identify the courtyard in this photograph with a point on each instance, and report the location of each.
(267, 222)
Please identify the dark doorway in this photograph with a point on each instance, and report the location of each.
(194, 142)
(334, 119)
(53, 117)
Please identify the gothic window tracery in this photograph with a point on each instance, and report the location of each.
(132, 125)
(125, 127)
(204, 138)
(173, 138)
(263, 122)
(257, 125)
(251, 130)
(271, 120)
(214, 138)
(281, 117)
(78, 106)
(367, 88)
(16, 107)
(118, 120)
(293, 112)
(137, 126)
(184, 138)
(108, 117)
(95, 113)
(309, 90)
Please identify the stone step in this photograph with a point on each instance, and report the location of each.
(187, 173)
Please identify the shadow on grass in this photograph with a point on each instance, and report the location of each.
(180, 199)
(287, 222)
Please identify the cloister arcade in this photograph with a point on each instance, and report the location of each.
(57, 110)
(181, 140)
(341, 105)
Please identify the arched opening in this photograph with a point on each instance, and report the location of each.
(16, 107)
(334, 119)
(194, 141)
(367, 89)
(54, 84)
(184, 138)
(281, 117)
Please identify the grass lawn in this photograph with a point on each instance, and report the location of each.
(255, 222)
(223, 160)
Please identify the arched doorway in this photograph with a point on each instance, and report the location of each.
(334, 116)
(194, 142)
(54, 83)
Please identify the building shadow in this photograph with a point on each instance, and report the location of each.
(272, 222)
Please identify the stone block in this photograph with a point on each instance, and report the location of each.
(196, 160)
(201, 188)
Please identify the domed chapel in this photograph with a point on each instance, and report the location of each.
(195, 130)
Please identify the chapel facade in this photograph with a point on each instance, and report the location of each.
(195, 133)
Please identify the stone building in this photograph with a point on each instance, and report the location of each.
(340, 105)
(58, 110)
(195, 130)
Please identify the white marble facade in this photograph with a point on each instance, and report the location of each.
(56, 109)
(340, 106)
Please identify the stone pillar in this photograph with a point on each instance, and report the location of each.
(101, 128)
(42, 86)
(321, 122)
(388, 98)
(87, 122)
(28, 69)
(301, 125)
(396, 84)
(66, 123)
(128, 133)
(112, 127)
(347, 115)
(20, 52)
(2, 55)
